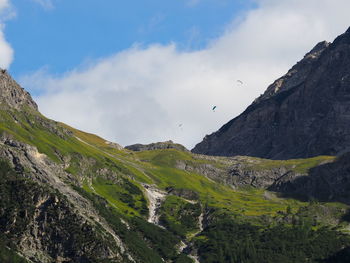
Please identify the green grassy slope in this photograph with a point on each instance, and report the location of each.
(112, 179)
(60, 142)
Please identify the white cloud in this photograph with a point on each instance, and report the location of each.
(47, 4)
(142, 94)
(6, 51)
(4, 4)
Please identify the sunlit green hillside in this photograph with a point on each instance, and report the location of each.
(117, 182)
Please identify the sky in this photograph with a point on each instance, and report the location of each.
(145, 71)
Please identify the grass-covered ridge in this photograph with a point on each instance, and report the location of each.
(297, 165)
(114, 181)
(162, 168)
(87, 154)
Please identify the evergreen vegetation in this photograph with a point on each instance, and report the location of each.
(147, 242)
(179, 216)
(8, 197)
(227, 241)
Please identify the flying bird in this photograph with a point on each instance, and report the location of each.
(240, 81)
(214, 108)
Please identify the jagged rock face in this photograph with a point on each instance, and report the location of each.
(156, 146)
(303, 114)
(327, 182)
(46, 219)
(12, 95)
(38, 220)
(240, 175)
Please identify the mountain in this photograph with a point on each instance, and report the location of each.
(68, 196)
(303, 114)
(12, 95)
(156, 146)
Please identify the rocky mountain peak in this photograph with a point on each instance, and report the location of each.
(297, 74)
(317, 50)
(304, 113)
(319, 47)
(12, 95)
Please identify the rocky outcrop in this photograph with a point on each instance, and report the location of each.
(156, 146)
(209, 170)
(326, 182)
(12, 95)
(303, 114)
(242, 171)
(46, 228)
(44, 217)
(114, 145)
(240, 175)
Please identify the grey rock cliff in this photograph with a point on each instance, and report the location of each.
(303, 114)
(46, 219)
(12, 95)
(326, 182)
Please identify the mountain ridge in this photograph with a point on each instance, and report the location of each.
(302, 114)
(13, 95)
